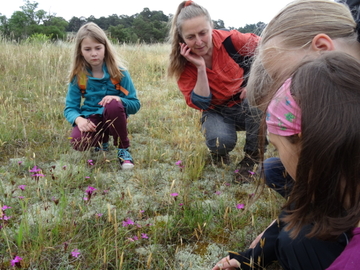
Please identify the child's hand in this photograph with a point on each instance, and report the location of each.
(85, 125)
(226, 263)
(108, 99)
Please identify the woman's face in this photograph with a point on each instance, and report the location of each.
(288, 152)
(197, 34)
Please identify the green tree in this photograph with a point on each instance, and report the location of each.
(219, 24)
(4, 26)
(253, 28)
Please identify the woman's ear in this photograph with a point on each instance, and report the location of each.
(322, 42)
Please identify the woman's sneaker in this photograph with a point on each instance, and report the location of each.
(126, 160)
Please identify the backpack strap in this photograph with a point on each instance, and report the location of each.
(82, 82)
(243, 61)
(118, 86)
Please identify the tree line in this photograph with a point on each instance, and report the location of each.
(147, 26)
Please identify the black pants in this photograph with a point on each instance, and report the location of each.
(301, 253)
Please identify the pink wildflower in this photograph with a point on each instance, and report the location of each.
(240, 206)
(174, 194)
(5, 207)
(75, 253)
(252, 173)
(22, 187)
(15, 261)
(90, 162)
(144, 236)
(90, 190)
(179, 164)
(218, 192)
(35, 169)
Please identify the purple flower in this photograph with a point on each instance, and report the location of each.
(144, 236)
(5, 217)
(240, 206)
(174, 194)
(75, 253)
(22, 187)
(90, 190)
(130, 239)
(16, 260)
(252, 173)
(135, 238)
(21, 197)
(90, 162)
(218, 192)
(99, 214)
(236, 171)
(127, 222)
(179, 164)
(5, 207)
(35, 169)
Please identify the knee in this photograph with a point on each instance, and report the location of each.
(221, 145)
(114, 105)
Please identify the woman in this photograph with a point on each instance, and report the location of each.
(212, 82)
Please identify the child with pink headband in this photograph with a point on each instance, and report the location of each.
(312, 120)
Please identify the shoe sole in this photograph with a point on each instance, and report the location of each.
(126, 165)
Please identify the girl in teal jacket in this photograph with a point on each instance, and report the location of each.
(100, 95)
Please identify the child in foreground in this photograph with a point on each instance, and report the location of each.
(313, 122)
(100, 95)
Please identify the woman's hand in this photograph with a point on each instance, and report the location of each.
(108, 99)
(85, 125)
(193, 58)
(226, 263)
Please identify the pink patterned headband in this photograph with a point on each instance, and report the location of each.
(283, 116)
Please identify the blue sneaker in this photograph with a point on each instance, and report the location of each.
(125, 158)
(105, 147)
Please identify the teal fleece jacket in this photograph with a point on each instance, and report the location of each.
(96, 89)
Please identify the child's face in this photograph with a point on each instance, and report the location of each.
(93, 52)
(288, 152)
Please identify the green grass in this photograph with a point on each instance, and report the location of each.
(50, 218)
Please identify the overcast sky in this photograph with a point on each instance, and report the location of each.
(235, 13)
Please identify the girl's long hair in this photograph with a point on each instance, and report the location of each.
(326, 193)
(112, 60)
(295, 26)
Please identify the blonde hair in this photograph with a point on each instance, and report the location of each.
(296, 25)
(111, 59)
(185, 11)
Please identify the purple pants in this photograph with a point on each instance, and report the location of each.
(112, 122)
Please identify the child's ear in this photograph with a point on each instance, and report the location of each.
(322, 42)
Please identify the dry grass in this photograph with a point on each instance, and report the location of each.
(50, 218)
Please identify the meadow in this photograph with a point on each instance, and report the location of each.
(63, 209)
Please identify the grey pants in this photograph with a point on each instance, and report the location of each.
(220, 126)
